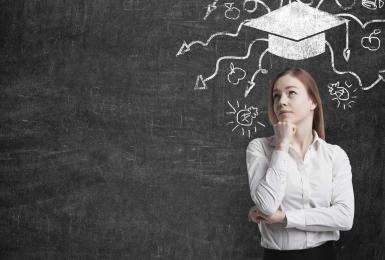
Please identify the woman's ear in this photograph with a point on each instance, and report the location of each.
(313, 104)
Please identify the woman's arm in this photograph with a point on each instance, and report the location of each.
(339, 216)
(267, 180)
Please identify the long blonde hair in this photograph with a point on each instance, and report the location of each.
(312, 90)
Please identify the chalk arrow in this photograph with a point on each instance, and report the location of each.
(200, 83)
(183, 49)
(251, 82)
(346, 54)
(186, 47)
(210, 9)
(381, 77)
(249, 87)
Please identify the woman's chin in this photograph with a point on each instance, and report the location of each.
(285, 118)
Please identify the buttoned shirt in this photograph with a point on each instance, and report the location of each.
(316, 193)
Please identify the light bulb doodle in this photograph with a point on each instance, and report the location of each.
(244, 118)
(342, 94)
(371, 42)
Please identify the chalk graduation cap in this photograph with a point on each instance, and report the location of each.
(297, 31)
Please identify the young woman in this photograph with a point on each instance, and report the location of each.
(300, 184)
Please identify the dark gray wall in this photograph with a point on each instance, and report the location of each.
(107, 152)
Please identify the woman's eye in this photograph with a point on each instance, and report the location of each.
(292, 92)
(275, 96)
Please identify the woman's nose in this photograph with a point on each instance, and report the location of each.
(283, 100)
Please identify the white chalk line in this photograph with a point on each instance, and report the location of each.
(233, 58)
(341, 72)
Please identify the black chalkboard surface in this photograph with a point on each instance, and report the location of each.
(124, 124)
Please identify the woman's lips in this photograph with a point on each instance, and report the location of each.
(284, 113)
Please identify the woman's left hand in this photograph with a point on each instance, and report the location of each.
(278, 217)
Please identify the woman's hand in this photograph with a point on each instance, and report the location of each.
(278, 217)
(255, 215)
(284, 134)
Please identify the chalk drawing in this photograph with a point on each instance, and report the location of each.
(381, 77)
(346, 51)
(244, 118)
(372, 4)
(363, 25)
(251, 82)
(372, 43)
(342, 94)
(347, 7)
(210, 8)
(319, 4)
(187, 47)
(301, 38)
(341, 72)
(344, 7)
(282, 3)
(236, 74)
(309, 2)
(232, 12)
(201, 82)
(254, 3)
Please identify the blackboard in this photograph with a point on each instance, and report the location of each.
(110, 151)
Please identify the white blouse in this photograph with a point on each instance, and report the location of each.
(316, 193)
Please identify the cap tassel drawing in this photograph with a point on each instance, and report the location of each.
(296, 31)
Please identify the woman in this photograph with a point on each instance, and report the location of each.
(300, 184)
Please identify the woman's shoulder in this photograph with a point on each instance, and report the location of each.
(332, 146)
(336, 152)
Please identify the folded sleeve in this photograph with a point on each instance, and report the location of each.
(267, 178)
(340, 214)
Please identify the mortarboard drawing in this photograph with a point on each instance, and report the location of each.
(294, 31)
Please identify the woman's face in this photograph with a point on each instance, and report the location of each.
(291, 100)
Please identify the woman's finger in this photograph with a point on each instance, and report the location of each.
(256, 220)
